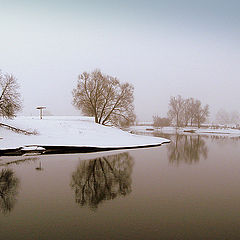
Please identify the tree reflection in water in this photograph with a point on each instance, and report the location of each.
(8, 190)
(188, 149)
(103, 178)
(223, 140)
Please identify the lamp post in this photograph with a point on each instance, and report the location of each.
(41, 109)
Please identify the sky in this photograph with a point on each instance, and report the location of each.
(163, 48)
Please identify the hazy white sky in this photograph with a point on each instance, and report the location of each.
(163, 48)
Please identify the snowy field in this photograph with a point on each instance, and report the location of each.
(188, 130)
(69, 131)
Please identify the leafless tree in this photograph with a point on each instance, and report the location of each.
(104, 98)
(10, 99)
(200, 113)
(189, 109)
(176, 110)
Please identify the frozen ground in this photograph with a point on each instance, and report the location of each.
(69, 131)
(188, 130)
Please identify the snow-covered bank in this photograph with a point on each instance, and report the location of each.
(70, 131)
(187, 130)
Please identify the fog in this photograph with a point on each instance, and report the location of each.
(164, 48)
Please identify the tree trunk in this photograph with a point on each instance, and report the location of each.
(199, 124)
(96, 119)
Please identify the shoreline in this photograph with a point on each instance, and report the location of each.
(69, 134)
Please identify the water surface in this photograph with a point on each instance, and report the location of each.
(188, 189)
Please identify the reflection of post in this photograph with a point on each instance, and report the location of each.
(40, 167)
(41, 109)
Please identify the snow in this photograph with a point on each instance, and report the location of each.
(69, 131)
(33, 148)
(187, 130)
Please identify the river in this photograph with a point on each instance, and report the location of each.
(188, 189)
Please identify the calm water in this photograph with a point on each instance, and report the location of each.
(188, 189)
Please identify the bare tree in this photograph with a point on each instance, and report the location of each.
(10, 99)
(200, 113)
(186, 111)
(104, 98)
(176, 110)
(188, 115)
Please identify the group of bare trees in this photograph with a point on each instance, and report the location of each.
(108, 101)
(227, 118)
(111, 102)
(96, 94)
(183, 112)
